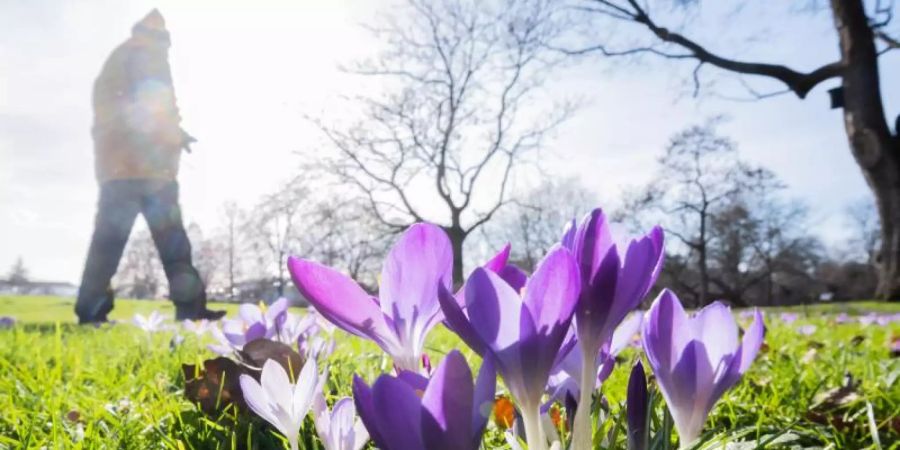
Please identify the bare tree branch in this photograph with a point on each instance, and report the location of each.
(800, 83)
(449, 129)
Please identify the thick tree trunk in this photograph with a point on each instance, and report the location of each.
(457, 237)
(702, 261)
(876, 151)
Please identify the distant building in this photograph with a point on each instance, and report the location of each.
(56, 288)
(253, 291)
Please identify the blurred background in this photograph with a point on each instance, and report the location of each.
(326, 127)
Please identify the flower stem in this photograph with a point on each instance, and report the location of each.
(582, 429)
(531, 417)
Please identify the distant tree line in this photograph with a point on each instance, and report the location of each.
(455, 124)
(732, 231)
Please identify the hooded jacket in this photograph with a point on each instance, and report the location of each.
(136, 128)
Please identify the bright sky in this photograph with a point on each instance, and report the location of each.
(245, 72)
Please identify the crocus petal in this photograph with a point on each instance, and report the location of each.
(250, 313)
(414, 380)
(552, 291)
(592, 242)
(659, 242)
(483, 398)
(493, 308)
(593, 317)
(259, 402)
(340, 300)
(457, 321)
(447, 404)
(715, 327)
(550, 296)
(636, 276)
(256, 331)
(420, 261)
(637, 408)
(665, 332)
(276, 313)
(305, 388)
(746, 353)
(399, 415)
(278, 389)
(343, 418)
(570, 235)
(629, 327)
(498, 262)
(688, 390)
(365, 407)
(752, 341)
(514, 276)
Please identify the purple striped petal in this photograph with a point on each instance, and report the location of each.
(457, 321)
(398, 414)
(365, 407)
(447, 404)
(483, 398)
(498, 262)
(341, 301)
(637, 405)
(420, 261)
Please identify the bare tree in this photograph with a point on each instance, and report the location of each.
(208, 255)
(348, 237)
(860, 31)
(233, 216)
(140, 269)
(444, 140)
(535, 222)
(274, 226)
(762, 252)
(699, 174)
(863, 218)
(18, 273)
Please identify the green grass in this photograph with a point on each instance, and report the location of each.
(48, 309)
(65, 386)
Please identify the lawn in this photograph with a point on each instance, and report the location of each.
(65, 386)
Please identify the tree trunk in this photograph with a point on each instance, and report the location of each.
(876, 151)
(231, 262)
(457, 237)
(701, 262)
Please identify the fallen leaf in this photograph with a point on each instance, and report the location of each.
(255, 354)
(215, 387)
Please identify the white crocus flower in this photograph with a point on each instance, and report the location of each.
(340, 428)
(280, 402)
(151, 323)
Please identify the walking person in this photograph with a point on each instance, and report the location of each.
(137, 147)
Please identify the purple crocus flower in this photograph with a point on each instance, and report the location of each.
(521, 333)
(806, 330)
(614, 281)
(564, 380)
(696, 358)
(7, 322)
(637, 409)
(410, 412)
(198, 327)
(407, 306)
(788, 317)
(256, 322)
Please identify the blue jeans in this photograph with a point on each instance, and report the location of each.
(120, 203)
